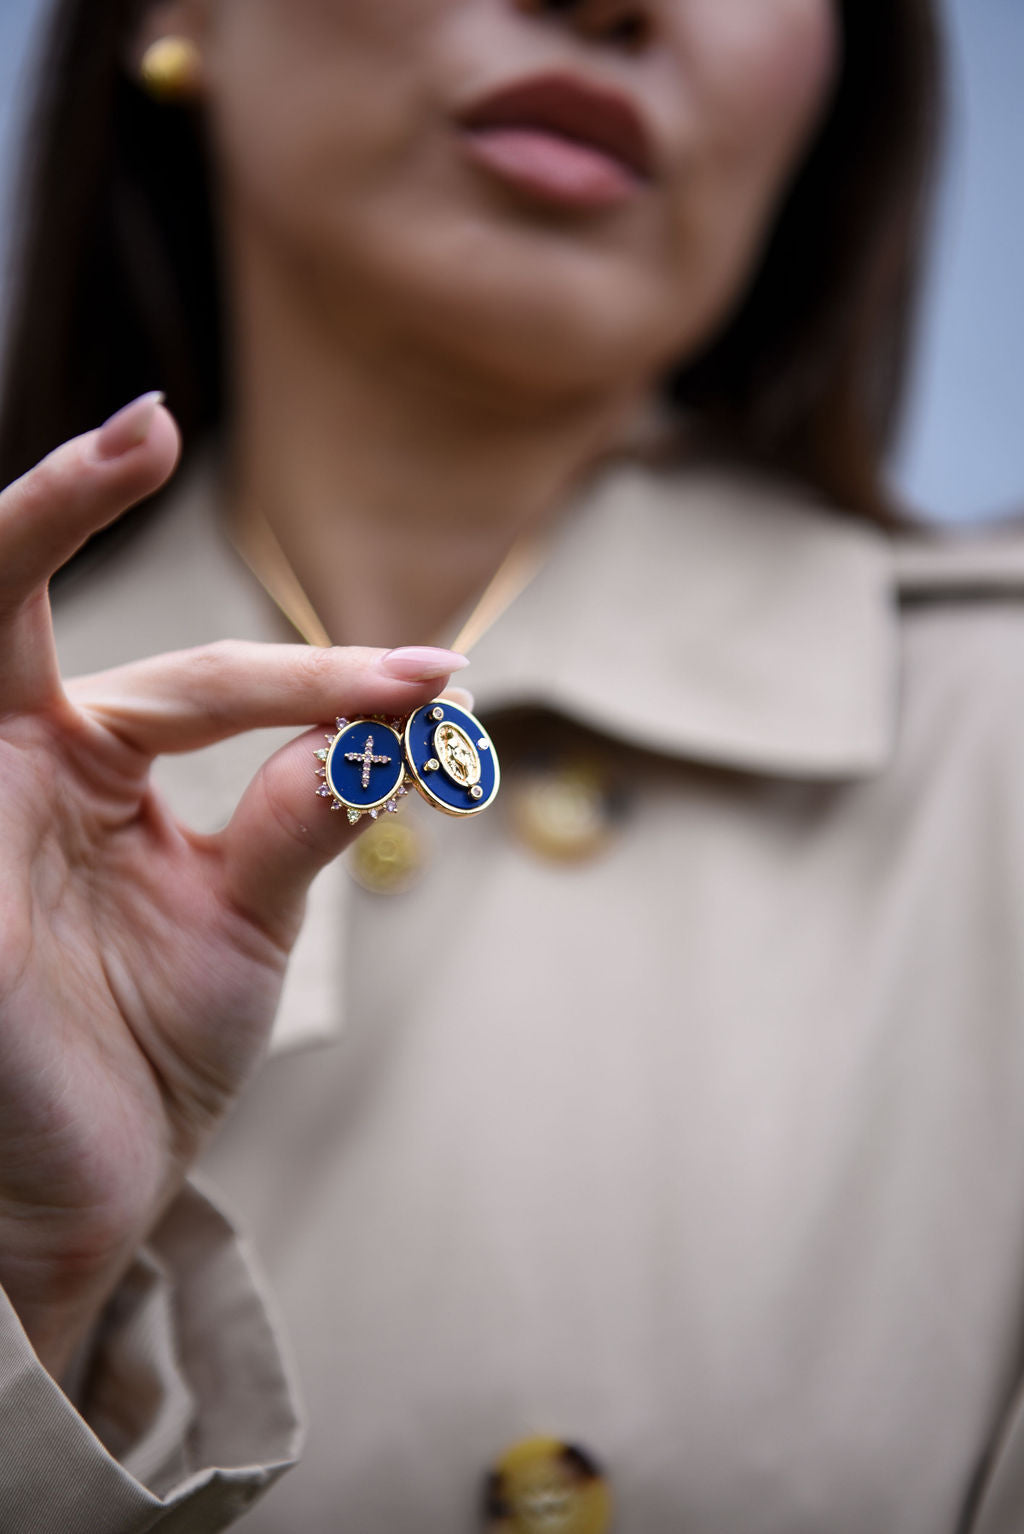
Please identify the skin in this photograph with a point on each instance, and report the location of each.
(426, 362)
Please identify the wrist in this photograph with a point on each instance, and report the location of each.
(59, 1295)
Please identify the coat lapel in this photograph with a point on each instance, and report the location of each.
(699, 613)
(707, 614)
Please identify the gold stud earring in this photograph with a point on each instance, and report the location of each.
(172, 69)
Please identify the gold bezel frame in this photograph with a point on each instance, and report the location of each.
(377, 724)
(414, 777)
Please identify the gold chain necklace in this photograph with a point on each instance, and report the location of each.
(257, 545)
(441, 749)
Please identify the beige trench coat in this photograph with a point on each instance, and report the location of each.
(706, 1154)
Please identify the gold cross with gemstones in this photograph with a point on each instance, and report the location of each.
(368, 759)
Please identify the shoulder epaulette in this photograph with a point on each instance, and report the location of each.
(962, 564)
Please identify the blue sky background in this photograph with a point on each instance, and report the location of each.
(962, 454)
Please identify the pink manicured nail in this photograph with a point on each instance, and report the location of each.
(461, 697)
(129, 427)
(420, 663)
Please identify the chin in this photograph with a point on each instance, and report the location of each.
(549, 323)
(543, 350)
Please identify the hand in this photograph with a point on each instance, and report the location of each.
(140, 964)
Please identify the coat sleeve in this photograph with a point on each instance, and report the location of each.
(184, 1412)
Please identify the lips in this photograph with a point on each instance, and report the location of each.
(562, 138)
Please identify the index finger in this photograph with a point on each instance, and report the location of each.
(47, 515)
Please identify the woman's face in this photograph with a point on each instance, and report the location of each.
(568, 194)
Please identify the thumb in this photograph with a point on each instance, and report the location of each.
(282, 834)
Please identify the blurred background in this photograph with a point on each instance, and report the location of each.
(962, 451)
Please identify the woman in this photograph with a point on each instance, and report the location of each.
(684, 1180)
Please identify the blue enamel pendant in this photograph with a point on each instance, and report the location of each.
(363, 768)
(451, 758)
(443, 750)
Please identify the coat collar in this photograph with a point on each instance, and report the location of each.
(699, 613)
(707, 613)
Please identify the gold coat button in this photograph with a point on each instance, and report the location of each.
(542, 1486)
(563, 813)
(388, 857)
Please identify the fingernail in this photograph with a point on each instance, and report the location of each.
(128, 427)
(420, 663)
(461, 697)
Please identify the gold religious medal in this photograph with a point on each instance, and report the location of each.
(443, 750)
(451, 758)
(363, 768)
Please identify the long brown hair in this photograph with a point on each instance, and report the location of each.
(115, 285)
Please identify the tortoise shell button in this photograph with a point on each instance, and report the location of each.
(544, 1486)
(564, 812)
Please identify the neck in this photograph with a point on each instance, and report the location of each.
(394, 487)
